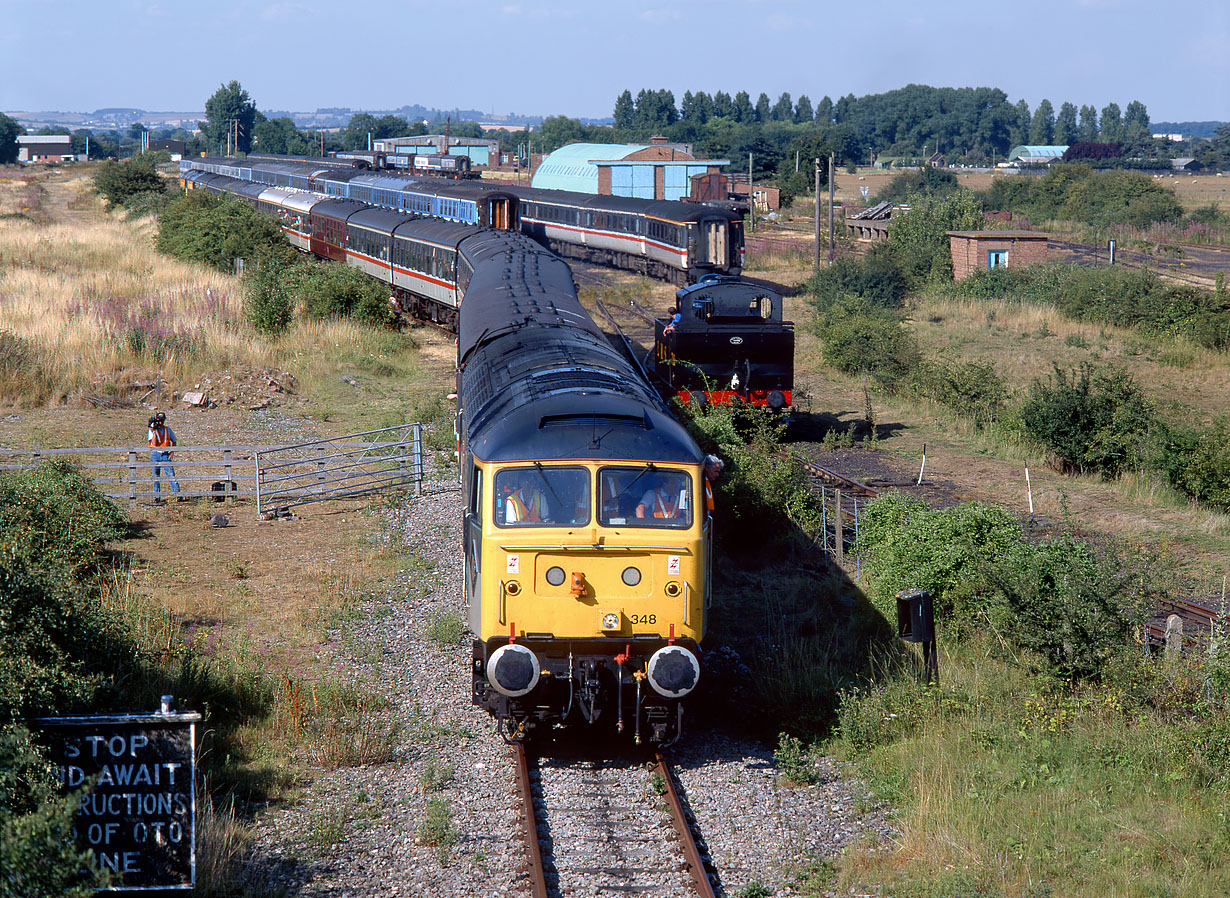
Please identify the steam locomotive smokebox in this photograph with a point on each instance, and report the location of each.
(915, 616)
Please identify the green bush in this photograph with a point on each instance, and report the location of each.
(920, 237)
(38, 856)
(1073, 606)
(927, 181)
(215, 230)
(862, 337)
(1197, 461)
(906, 544)
(340, 291)
(55, 522)
(1120, 197)
(269, 301)
(121, 183)
(974, 390)
(1091, 420)
(877, 277)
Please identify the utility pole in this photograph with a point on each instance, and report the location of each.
(751, 200)
(816, 246)
(832, 156)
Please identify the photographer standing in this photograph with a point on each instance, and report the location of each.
(161, 439)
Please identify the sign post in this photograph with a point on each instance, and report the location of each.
(137, 807)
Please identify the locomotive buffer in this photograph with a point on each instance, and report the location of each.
(730, 342)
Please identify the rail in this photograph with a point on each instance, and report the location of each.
(693, 859)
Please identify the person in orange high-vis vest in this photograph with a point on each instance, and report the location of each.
(525, 504)
(713, 470)
(658, 502)
(161, 439)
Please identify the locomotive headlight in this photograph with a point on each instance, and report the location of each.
(556, 576)
(513, 670)
(631, 576)
(673, 671)
(611, 620)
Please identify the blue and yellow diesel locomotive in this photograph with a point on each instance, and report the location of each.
(586, 538)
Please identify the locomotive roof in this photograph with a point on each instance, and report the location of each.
(558, 392)
(516, 284)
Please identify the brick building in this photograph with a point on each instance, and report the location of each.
(982, 250)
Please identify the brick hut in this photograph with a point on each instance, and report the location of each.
(981, 250)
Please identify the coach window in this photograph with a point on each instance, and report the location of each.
(541, 496)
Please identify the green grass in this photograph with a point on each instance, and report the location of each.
(1004, 787)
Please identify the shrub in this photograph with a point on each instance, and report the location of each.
(927, 181)
(340, 291)
(1198, 462)
(876, 277)
(920, 238)
(37, 854)
(974, 390)
(906, 544)
(268, 298)
(1071, 605)
(121, 183)
(794, 761)
(1091, 420)
(216, 230)
(861, 337)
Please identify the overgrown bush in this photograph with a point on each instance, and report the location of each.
(1197, 462)
(215, 230)
(331, 290)
(1072, 606)
(269, 301)
(906, 544)
(38, 856)
(927, 181)
(122, 183)
(974, 390)
(1091, 420)
(920, 237)
(863, 337)
(877, 277)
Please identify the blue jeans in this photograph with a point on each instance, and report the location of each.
(158, 458)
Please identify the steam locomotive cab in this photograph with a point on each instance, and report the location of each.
(735, 343)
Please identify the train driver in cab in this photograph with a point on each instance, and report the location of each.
(524, 502)
(662, 500)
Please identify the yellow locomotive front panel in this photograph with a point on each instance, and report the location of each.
(592, 551)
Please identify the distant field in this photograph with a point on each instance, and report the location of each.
(1191, 190)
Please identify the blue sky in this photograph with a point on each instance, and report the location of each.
(547, 57)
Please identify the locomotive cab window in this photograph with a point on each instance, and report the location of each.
(645, 497)
(541, 496)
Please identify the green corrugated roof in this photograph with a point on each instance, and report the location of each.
(569, 167)
(1036, 150)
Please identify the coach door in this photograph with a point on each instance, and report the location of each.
(501, 213)
(714, 242)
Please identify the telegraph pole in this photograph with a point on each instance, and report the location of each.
(832, 156)
(816, 253)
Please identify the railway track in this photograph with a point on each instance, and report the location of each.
(603, 827)
(1197, 620)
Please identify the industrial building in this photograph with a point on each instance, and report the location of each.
(1037, 155)
(660, 170)
(44, 148)
(982, 250)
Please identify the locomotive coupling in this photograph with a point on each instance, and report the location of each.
(513, 670)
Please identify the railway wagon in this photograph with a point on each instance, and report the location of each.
(730, 343)
(586, 551)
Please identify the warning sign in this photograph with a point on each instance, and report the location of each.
(134, 775)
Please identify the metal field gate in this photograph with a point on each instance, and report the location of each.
(340, 468)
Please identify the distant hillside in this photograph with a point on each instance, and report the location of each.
(1187, 129)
